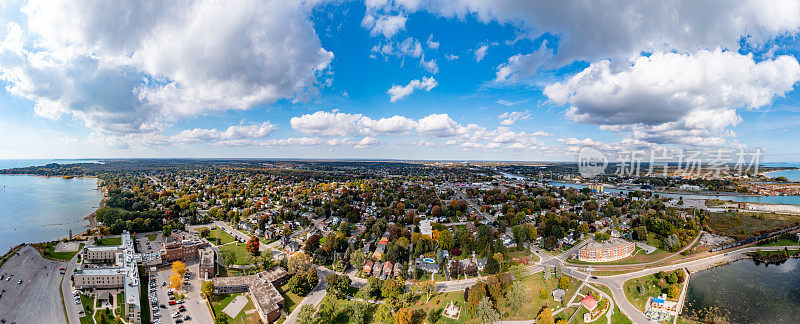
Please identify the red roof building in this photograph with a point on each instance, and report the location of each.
(589, 302)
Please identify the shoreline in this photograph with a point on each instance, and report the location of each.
(92, 222)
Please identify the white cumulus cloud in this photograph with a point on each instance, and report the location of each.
(397, 92)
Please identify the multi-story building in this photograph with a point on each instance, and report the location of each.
(181, 246)
(123, 273)
(207, 263)
(261, 287)
(613, 249)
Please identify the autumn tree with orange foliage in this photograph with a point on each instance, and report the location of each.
(253, 246)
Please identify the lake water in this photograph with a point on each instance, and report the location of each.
(37, 209)
(748, 292)
(791, 175)
(788, 200)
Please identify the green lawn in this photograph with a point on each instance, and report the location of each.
(109, 241)
(650, 290)
(218, 236)
(120, 305)
(219, 302)
(290, 299)
(144, 296)
(152, 237)
(242, 256)
(781, 242)
(106, 316)
(48, 251)
(532, 283)
(88, 308)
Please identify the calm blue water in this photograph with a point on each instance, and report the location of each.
(789, 200)
(791, 175)
(36, 209)
(21, 163)
(746, 292)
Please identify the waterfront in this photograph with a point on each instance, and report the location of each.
(36, 209)
(791, 175)
(21, 163)
(786, 200)
(747, 292)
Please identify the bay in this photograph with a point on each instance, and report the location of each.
(748, 292)
(37, 209)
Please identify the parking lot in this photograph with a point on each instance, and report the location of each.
(195, 306)
(37, 298)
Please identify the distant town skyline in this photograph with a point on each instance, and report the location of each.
(507, 80)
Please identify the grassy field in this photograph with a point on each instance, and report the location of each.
(218, 236)
(650, 290)
(152, 237)
(144, 296)
(48, 251)
(219, 302)
(745, 224)
(106, 316)
(109, 241)
(88, 308)
(290, 299)
(528, 311)
(618, 317)
(120, 305)
(242, 256)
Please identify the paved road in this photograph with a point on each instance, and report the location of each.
(37, 299)
(66, 289)
(313, 298)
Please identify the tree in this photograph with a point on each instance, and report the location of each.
(492, 266)
(175, 281)
(302, 282)
(486, 312)
(391, 288)
(205, 232)
(207, 288)
(337, 284)
(222, 318)
(515, 297)
(545, 316)
(476, 294)
(312, 243)
(227, 257)
(602, 237)
(424, 287)
(167, 230)
(359, 311)
(542, 293)
(672, 291)
(383, 314)
(563, 283)
(306, 314)
(583, 228)
(178, 267)
(404, 316)
(298, 262)
(253, 246)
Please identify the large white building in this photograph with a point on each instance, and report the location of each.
(113, 272)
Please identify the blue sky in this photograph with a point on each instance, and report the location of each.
(397, 79)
